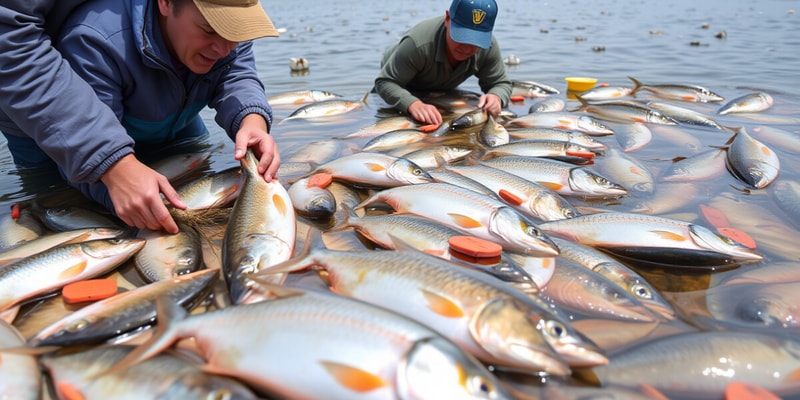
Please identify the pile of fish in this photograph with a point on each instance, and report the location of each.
(594, 265)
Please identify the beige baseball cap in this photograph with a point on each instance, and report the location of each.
(237, 20)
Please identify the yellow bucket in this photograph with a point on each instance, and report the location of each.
(579, 84)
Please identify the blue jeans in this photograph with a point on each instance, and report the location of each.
(27, 154)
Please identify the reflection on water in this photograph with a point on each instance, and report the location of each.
(653, 41)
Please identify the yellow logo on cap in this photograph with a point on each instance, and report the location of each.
(477, 16)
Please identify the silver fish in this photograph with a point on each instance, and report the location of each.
(786, 194)
(548, 105)
(468, 212)
(606, 93)
(684, 115)
(493, 134)
(758, 305)
(528, 197)
(214, 191)
(633, 136)
(543, 148)
(627, 171)
(473, 118)
(488, 318)
(625, 111)
(532, 89)
(591, 294)
(652, 238)
(50, 240)
(310, 200)
(562, 120)
(753, 162)
(557, 134)
(345, 347)
(20, 377)
(622, 275)
(749, 103)
(68, 218)
(166, 376)
(178, 166)
(704, 363)
(385, 125)
(678, 92)
(54, 268)
(373, 169)
(166, 255)
(394, 139)
(20, 229)
(260, 232)
(125, 312)
(564, 178)
(301, 97)
(325, 108)
(703, 166)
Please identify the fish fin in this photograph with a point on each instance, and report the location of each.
(651, 392)
(73, 271)
(353, 378)
(442, 305)
(636, 85)
(67, 391)
(580, 153)
(793, 376)
(555, 186)
(688, 98)
(638, 119)
(587, 375)
(375, 167)
(9, 314)
(279, 202)
(168, 314)
(668, 235)
(465, 221)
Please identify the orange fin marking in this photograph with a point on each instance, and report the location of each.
(74, 270)
(442, 306)
(69, 392)
(375, 167)
(794, 376)
(509, 197)
(670, 236)
(738, 236)
(353, 378)
(280, 204)
(714, 217)
(465, 221)
(552, 185)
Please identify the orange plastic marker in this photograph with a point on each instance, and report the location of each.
(475, 247)
(321, 180)
(15, 211)
(429, 128)
(89, 290)
(517, 98)
(509, 197)
(747, 391)
(714, 217)
(738, 236)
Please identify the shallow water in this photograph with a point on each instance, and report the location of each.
(653, 41)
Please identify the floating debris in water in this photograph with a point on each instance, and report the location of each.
(511, 59)
(721, 35)
(599, 48)
(298, 64)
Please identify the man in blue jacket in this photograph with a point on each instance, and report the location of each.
(153, 64)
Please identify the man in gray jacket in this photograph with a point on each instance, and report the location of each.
(441, 53)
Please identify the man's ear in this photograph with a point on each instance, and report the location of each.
(165, 7)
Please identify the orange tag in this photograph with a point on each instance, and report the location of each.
(428, 128)
(89, 290)
(509, 197)
(517, 98)
(321, 180)
(475, 247)
(747, 391)
(738, 236)
(15, 211)
(714, 217)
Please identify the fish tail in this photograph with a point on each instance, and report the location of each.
(366, 96)
(347, 214)
(636, 85)
(582, 100)
(169, 314)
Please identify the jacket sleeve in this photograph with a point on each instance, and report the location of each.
(492, 77)
(49, 102)
(402, 64)
(240, 92)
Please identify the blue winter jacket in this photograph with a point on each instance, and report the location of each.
(117, 47)
(41, 97)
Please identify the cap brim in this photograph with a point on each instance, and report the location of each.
(238, 24)
(462, 34)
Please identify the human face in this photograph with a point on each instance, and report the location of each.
(189, 37)
(457, 52)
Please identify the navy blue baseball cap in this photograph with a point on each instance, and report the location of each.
(472, 21)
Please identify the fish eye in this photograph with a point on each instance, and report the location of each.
(479, 385)
(600, 180)
(641, 291)
(416, 171)
(77, 326)
(221, 394)
(569, 213)
(556, 329)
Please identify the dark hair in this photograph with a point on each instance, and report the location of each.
(177, 5)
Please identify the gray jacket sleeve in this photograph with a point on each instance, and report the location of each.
(400, 66)
(492, 77)
(45, 98)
